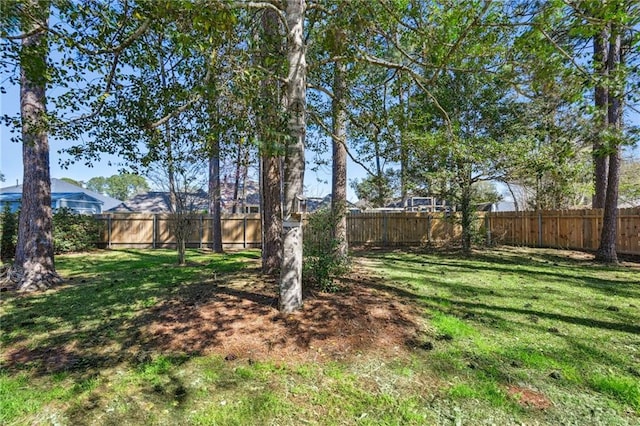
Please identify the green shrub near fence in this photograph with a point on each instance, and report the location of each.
(8, 232)
(322, 261)
(71, 232)
(74, 232)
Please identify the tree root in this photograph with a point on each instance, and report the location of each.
(9, 277)
(16, 278)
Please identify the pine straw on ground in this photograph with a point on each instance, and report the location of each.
(236, 316)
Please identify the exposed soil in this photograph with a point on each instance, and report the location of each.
(529, 398)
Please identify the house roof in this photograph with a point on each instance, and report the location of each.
(73, 196)
(59, 186)
(158, 202)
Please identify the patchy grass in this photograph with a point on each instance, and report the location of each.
(506, 336)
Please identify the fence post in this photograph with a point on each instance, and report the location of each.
(244, 231)
(428, 227)
(109, 231)
(539, 229)
(201, 228)
(154, 233)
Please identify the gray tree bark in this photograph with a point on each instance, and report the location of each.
(291, 268)
(339, 172)
(34, 252)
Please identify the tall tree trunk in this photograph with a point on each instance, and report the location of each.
(236, 185)
(467, 211)
(404, 111)
(271, 215)
(270, 172)
(291, 269)
(339, 137)
(600, 156)
(379, 178)
(34, 251)
(214, 195)
(607, 249)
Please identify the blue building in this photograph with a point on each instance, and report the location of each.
(63, 195)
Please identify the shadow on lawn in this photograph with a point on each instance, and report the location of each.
(479, 306)
(92, 321)
(129, 315)
(531, 269)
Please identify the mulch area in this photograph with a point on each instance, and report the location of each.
(238, 318)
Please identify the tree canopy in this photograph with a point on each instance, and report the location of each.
(426, 96)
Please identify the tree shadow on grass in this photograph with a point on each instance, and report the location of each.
(126, 318)
(473, 305)
(529, 270)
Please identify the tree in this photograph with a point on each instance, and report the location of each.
(271, 137)
(378, 189)
(291, 268)
(121, 187)
(215, 208)
(34, 252)
(86, 47)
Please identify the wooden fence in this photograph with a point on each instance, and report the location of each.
(139, 230)
(576, 229)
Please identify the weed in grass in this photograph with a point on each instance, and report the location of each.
(450, 327)
(624, 389)
(462, 390)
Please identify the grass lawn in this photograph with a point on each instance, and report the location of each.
(505, 336)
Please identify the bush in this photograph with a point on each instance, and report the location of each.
(322, 263)
(74, 232)
(8, 233)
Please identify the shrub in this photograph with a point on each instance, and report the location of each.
(8, 233)
(74, 232)
(322, 262)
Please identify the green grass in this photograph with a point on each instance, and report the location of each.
(568, 330)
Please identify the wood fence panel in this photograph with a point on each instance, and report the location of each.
(365, 228)
(629, 231)
(577, 229)
(131, 229)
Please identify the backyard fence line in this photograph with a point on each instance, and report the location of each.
(570, 229)
(141, 230)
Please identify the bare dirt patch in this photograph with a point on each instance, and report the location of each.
(529, 398)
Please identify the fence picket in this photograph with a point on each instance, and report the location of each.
(575, 229)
